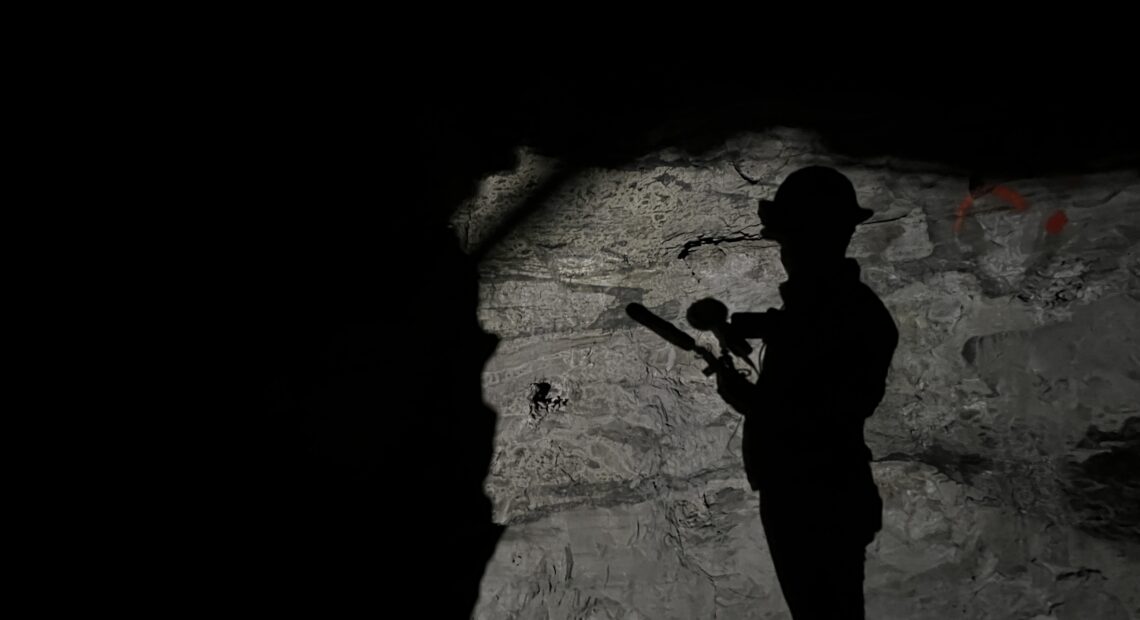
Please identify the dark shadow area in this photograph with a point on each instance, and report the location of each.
(1103, 489)
(345, 311)
(992, 129)
(354, 477)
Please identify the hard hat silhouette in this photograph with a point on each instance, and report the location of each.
(812, 199)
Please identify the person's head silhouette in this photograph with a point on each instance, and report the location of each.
(812, 217)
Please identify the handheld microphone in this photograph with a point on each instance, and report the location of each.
(711, 315)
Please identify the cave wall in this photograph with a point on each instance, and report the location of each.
(1004, 449)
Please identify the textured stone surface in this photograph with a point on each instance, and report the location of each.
(1006, 447)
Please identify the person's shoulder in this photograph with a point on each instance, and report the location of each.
(867, 295)
(870, 307)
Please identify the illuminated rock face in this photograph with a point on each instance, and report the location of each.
(1006, 448)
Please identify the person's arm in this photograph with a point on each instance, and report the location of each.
(755, 324)
(736, 390)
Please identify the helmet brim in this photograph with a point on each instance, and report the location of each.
(771, 216)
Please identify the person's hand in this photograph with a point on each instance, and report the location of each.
(737, 391)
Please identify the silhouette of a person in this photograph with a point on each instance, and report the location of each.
(825, 361)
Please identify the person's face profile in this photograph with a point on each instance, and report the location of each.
(764, 210)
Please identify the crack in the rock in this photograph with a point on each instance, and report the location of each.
(688, 247)
(750, 180)
(610, 494)
(1082, 574)
(890, 219)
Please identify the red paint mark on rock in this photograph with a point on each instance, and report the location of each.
(1015, 200)
(961, 213)
(1056, 222)
(1007, 195)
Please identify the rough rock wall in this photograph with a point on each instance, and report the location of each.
(1006, 447)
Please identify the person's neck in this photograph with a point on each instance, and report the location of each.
(823, 271)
